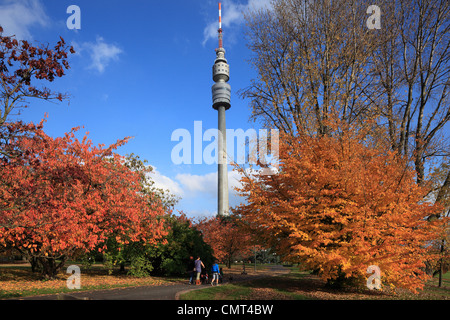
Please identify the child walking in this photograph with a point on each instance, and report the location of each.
(215, 273)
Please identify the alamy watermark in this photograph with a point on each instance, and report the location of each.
(374, 281)
(74, 281)
(74, 20)
(374, 21)
(243, 147)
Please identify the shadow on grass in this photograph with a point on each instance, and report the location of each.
(303, 285)
(270, 288)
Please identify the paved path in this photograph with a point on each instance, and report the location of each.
(162, 292)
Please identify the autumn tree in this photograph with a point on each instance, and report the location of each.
(60, 197)
(136, 254)
(441, 192)
(317, 60)
(339, 205)
(225, 236)
(154, 193)
(411, 76)
(24, 66)
(311, 62)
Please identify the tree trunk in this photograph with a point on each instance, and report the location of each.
(34, 264)
(50, 267)
(441, 269)
(441, 195)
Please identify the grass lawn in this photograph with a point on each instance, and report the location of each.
(19, 281)
(302, 285)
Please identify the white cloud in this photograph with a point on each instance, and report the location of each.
(100, 53)
(195, 185)
(17, 17)
(232, 15)
(198, 192)
(166, 183)
(205, 186)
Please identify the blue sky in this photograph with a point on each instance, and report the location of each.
(142, 69)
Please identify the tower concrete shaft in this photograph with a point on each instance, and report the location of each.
(221, 93)
(222, 170)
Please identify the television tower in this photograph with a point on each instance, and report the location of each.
(221, 93)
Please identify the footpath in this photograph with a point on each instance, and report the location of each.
(163, 292)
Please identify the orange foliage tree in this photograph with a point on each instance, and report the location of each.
(61, 196)
(339, 205)
(226, 237)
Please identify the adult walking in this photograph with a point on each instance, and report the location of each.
(198, 267)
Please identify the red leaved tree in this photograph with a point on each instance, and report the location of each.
(61, 196)
(225, 236)
(21, 64)
(339, 205)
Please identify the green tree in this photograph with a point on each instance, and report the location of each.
(169, 257)
(154, 194)
(137, 255)
(183, 241)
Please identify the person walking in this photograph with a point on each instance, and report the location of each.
(191, 270)
(215, 273)
(198, 267)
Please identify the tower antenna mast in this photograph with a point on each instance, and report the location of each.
(220, 26)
